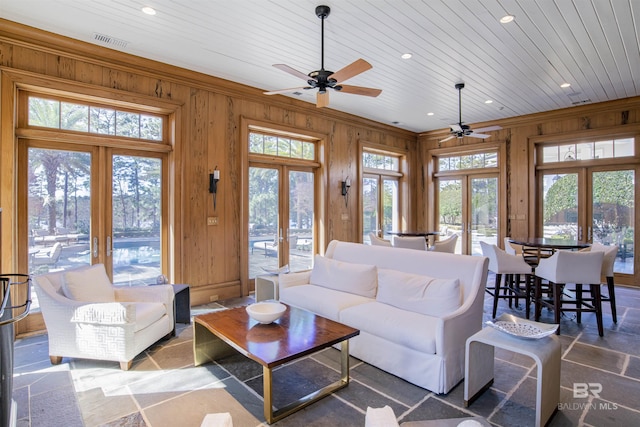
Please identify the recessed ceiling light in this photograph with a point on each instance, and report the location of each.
(506, 19)
(488, 101)
(429, 114)
(406, 56)
(149, 10)
(563, 85)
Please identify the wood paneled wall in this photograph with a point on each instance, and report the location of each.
(209, 113)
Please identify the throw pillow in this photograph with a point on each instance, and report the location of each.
(417, 293)
(359, 279)
(89, 284)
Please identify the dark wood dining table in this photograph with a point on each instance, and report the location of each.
(548, 243)
(534, 248)
(424, 234)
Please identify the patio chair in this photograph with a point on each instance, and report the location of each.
(49, 257)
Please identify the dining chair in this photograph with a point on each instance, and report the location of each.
(377, 241)
(410, 242)
(581, 268)
(512, 248)
(446, 245)
(513, 267)
(606, 274)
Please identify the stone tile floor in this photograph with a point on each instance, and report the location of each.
(163, 388)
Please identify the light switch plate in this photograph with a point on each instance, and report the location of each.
(212, 220)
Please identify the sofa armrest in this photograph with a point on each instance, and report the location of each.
(107, 313)
(294, 279)
(453, 330)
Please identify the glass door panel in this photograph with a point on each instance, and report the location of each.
(613, 214)
(370, 203)
(301, 221)
(264, 239)
(484, 213)
(450, 209)
(560, 206)
(59, 211)
(390, 208)
(134, 243)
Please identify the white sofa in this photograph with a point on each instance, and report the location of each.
(415, 309)
(89, 318)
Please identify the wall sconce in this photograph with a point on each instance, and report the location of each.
(346, 185)
(213, 184)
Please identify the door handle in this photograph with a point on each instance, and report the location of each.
(95, 247)
(589, 234)
(580, 233)
(109, 248)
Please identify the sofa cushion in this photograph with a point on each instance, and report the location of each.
(359, 279)
(418, 293)
(323, 301)
(402, 327)
(89, 284)
(147, 313)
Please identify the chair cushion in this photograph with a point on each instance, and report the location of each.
(89, 284)
(359, 279)
(418, 293)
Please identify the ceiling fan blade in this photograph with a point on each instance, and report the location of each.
(447, 138)
(456, 128)
(292, 71)
(360, 90)
(353, 69)
(322, 100)
(293, 89)
(478, 135)
(488, 128)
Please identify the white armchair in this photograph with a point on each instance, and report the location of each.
(117, 325)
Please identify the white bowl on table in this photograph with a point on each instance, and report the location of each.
(266, 311)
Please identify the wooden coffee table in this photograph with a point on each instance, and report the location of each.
(296, 334)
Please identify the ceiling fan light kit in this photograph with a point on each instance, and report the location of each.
(460, 130)
(324, 79)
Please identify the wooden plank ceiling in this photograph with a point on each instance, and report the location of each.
(591, 44)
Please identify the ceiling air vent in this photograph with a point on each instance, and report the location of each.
(112, 41)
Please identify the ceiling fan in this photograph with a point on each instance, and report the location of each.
(459, 130)
(323, 79)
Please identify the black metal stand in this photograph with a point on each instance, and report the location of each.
(7, 319)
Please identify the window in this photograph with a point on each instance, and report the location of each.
(77, 117)
(281, 146)
(468, 161)
(590, 150)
